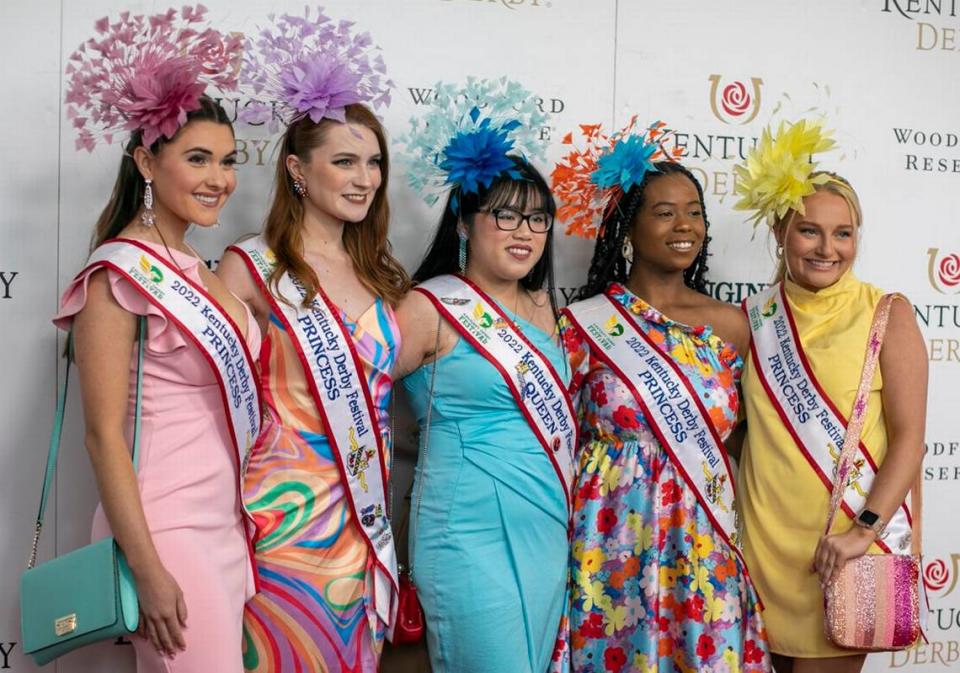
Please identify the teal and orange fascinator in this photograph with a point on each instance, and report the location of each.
(590, 181)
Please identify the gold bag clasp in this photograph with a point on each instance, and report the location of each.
(65, 625)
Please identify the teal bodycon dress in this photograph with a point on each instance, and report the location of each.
(489, 545)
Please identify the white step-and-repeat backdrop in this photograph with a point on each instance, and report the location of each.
(883, 72)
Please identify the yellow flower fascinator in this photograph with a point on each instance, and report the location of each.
(778, 171)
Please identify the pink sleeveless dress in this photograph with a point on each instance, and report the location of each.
(188, 476)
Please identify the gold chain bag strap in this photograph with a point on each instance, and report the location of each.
(874, 603)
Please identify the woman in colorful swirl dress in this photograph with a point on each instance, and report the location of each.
(658, 580)
(486, 377)
(176, 511)
(788, 464)
(323, 282)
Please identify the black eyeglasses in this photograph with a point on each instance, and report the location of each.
(509, 219)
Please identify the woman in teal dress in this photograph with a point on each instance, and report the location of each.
(489, 514)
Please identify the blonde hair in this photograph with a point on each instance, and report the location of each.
(838, 185)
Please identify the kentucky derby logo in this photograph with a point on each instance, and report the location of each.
(155, 274)
(715, 484)
(358, 459)
(944, 271)
(937, 575)
(735, 103)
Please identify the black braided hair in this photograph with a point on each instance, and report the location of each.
(608, 264)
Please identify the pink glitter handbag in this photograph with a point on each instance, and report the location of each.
(874, 604)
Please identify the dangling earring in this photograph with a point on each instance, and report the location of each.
(627, 250)
(148, 217)
(779, 252)
(300, 188)
(462, 257)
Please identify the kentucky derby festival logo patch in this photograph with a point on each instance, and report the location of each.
(155, 274)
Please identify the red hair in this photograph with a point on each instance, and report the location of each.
(366, 241)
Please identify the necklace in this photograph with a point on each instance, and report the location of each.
(169, 253)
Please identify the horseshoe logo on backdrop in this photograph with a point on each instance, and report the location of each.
(735, 104)
(944, 271)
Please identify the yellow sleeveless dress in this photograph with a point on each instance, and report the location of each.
(783, 503)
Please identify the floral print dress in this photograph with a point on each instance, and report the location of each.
(654, 588)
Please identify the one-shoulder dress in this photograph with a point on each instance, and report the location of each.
(655, 587)
(489, 538)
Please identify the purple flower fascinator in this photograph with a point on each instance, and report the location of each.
(310, 66)
(146, 73)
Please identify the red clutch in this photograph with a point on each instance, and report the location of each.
(410, 622)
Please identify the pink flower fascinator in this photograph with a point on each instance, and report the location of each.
(146, 73)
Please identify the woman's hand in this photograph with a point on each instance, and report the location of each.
(163, 612)
(833, 551)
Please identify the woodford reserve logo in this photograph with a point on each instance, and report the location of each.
(929, 36)
(929, 150)
(548, 106)
(735, 103)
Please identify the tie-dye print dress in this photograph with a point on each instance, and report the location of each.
(314, 610)
(655, 589)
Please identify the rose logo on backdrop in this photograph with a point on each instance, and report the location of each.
(937, 575)
(944, 271)
(735, 103)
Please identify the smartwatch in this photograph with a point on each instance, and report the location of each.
(870, 519)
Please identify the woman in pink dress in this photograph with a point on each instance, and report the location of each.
(177, 515)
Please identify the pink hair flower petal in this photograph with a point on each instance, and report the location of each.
(145, 73)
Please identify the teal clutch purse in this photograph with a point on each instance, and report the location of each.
(86, 595)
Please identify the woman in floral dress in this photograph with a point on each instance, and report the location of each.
(657, 584)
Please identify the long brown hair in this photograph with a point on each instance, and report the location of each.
(127, 196)
(366, 241)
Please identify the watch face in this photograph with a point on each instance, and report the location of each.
(868, 518)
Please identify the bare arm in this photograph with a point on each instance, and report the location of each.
(903, 364)
(105, 336)
(418, 320)
(731, 326)
(234, 273)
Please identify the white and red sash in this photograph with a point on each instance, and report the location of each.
(809, 415)
(201, 320)
(539, 391)
(338, 385)
(669, 403)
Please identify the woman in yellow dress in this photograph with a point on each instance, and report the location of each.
(785, 481)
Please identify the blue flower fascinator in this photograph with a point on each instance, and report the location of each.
(464, 141)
